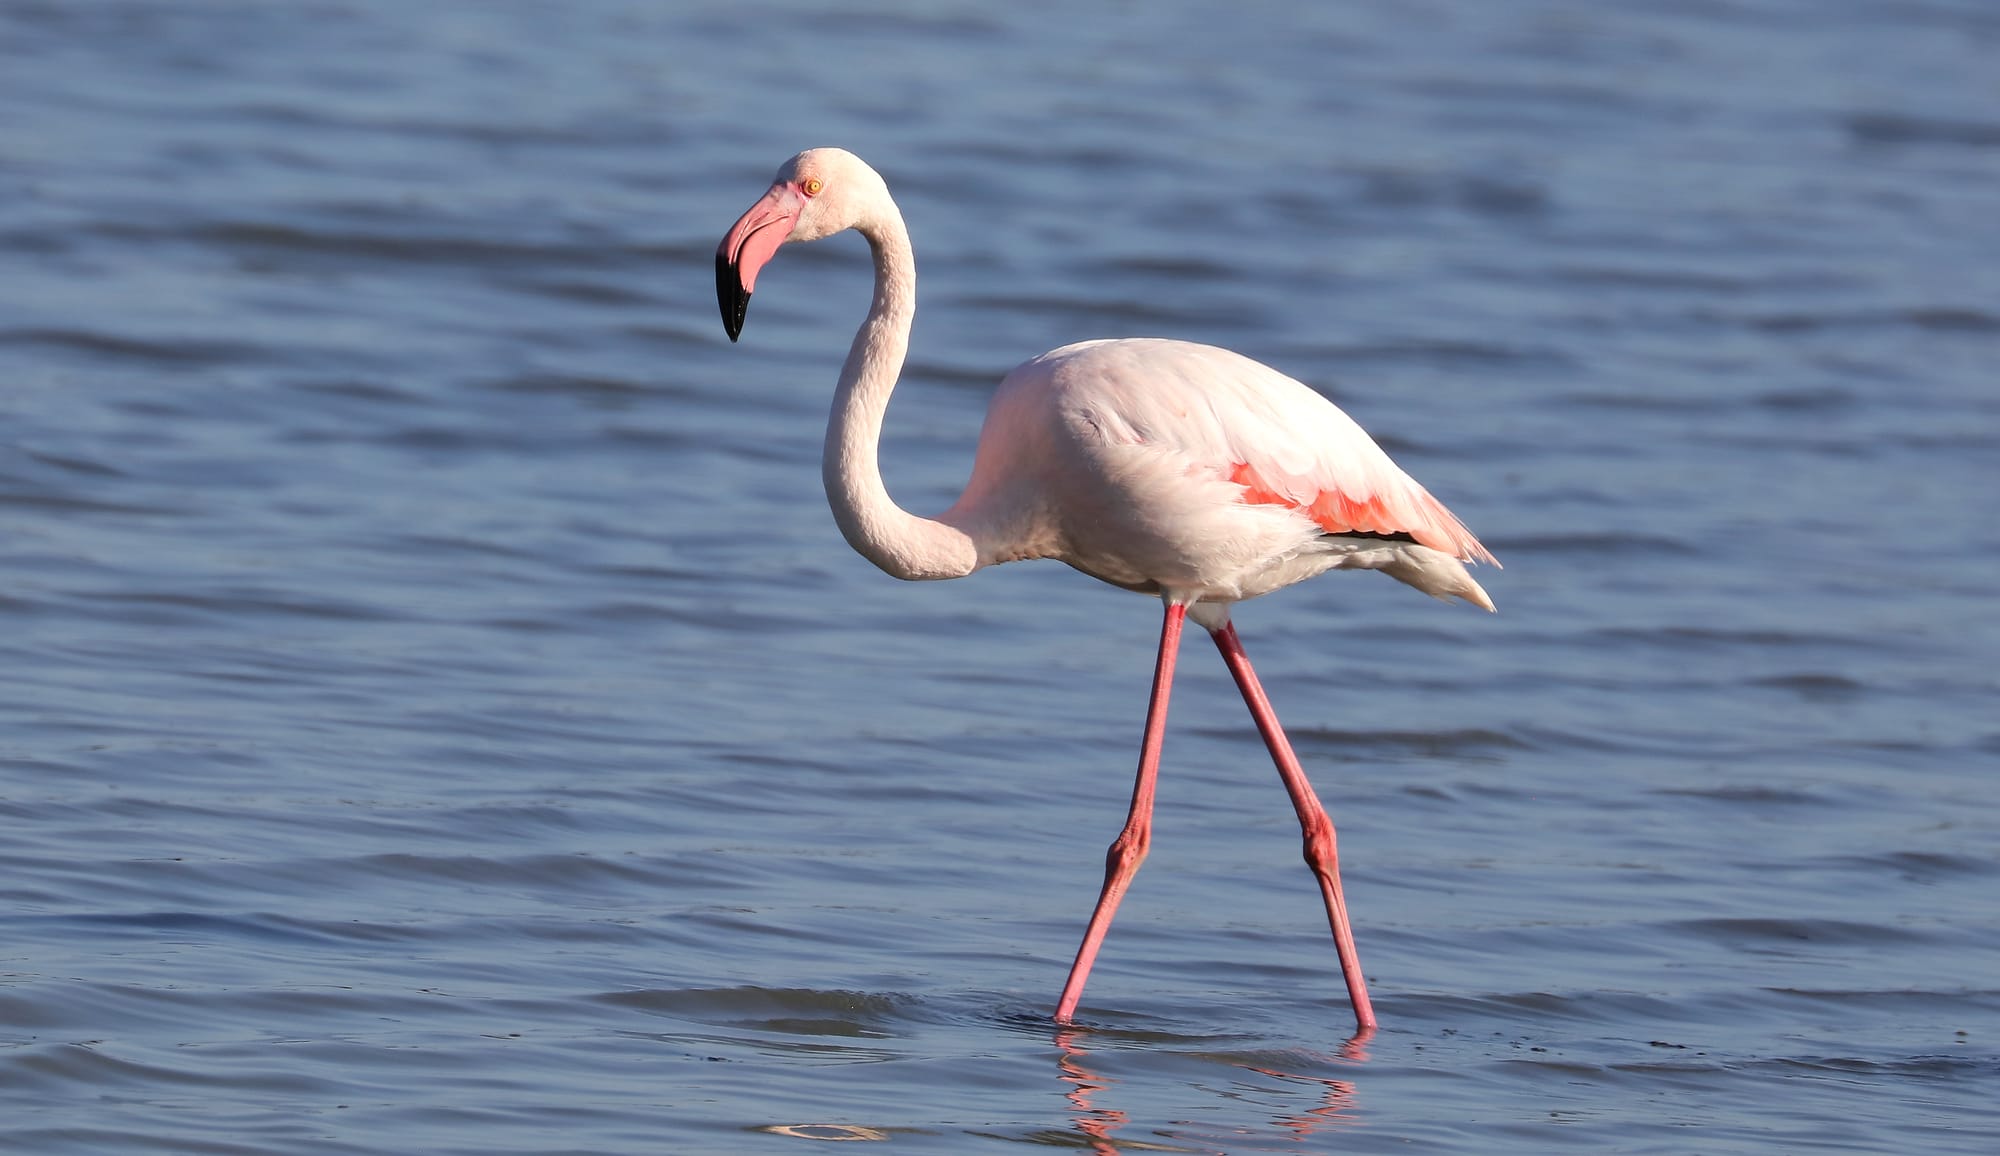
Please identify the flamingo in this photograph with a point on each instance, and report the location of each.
(1168, 468)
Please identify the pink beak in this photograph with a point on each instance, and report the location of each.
(750, 243)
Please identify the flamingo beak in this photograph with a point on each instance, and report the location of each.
(750, 243)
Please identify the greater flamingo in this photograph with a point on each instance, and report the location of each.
(1167, 468)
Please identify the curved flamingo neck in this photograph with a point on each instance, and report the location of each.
(901, 543)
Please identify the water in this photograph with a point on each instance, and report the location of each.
(437, 713)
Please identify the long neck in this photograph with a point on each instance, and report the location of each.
(900, 543)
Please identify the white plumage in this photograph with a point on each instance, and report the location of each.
(1128, 459)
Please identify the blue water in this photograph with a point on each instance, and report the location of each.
(437, 713)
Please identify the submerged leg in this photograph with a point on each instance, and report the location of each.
(1313, 820)
(1129, 849)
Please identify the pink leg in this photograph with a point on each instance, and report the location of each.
(1129, 849)
(1313, 820)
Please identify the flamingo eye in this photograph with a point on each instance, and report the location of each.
(811, 186)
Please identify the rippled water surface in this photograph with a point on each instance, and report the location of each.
(437, 713)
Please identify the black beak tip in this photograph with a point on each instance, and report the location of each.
(730, 296)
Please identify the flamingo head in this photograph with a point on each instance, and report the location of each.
(816, 194)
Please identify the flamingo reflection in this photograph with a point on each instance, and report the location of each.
(1337, 1108)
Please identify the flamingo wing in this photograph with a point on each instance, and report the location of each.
(1282, 443)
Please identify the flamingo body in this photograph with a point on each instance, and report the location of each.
(1168, 466)
(1173, 469)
